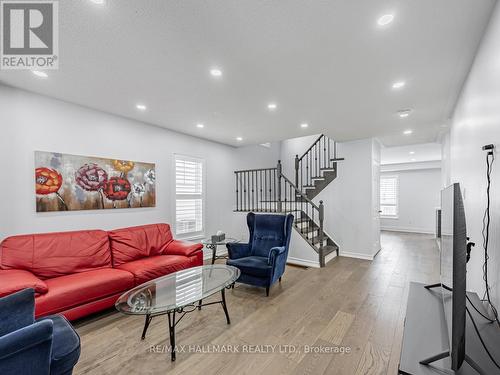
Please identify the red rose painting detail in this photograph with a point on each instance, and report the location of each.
(65, 182)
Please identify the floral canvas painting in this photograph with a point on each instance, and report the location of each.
(65, 182)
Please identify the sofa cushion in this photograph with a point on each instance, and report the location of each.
(133, 243)
(15, 280)
(147, 269)
(65, 345)
(56, 254)
(253, 265)
(68, 291)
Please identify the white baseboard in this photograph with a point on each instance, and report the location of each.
(303, 262)
(408, 230)
(356, 255)
(292, 260)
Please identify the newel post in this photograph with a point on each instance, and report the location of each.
(297, 171)
(321, 226)
(278, 172)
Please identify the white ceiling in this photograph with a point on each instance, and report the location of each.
(411, 154)
(326, 63)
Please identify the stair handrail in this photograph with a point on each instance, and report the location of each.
(255, 170)
(302, 195)
(311, 147)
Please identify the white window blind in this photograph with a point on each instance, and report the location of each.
(389, 196)
(189, 196)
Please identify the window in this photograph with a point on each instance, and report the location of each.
(189, 196)
(389, 196)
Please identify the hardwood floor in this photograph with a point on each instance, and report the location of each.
(350, 303)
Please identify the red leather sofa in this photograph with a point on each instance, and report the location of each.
(82, 272)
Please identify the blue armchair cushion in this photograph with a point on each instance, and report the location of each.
(267, 232)
(65, 345)
(252, 265)
(238, 250)
(17, 311)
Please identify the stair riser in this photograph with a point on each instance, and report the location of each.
(319, 185)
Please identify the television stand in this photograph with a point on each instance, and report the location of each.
(426, 333)
(446, 354)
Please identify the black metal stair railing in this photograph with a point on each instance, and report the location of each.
(309, 217)
(257, 190)
(269, 190)
(319, 157)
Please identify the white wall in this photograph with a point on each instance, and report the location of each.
(30, 122)
(445, 160)
(291, 147)
(419, 195)
(476, 122)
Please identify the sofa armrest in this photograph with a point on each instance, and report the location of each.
(28, 349)
(178, 247)
(238, 250)
(12, 281)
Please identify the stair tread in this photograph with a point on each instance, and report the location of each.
(302, 220)
(329, 249)
(308, 229)
(316, 241)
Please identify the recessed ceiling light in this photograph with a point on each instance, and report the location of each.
(141, 107)
(40, 74)
(408, 132)
(304, 125)
(398, 85)
(385, 19)
(413, 159)
(404, 113)
(272, 106)
(412, 152)
(239, 139)
(201, 126)
(100, 2)
(215, 72)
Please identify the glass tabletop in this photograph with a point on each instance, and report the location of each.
(177, 290)
(208, 241)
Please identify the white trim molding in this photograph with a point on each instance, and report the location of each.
(302, 262)
(408, 230)
(356, 255)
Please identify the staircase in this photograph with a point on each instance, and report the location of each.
(269, 190)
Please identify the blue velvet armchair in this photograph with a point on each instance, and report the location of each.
(47, 346)
(262, 260)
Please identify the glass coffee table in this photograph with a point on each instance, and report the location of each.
(177, 294)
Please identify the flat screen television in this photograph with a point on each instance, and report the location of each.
(453, 270)
(453, 260)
